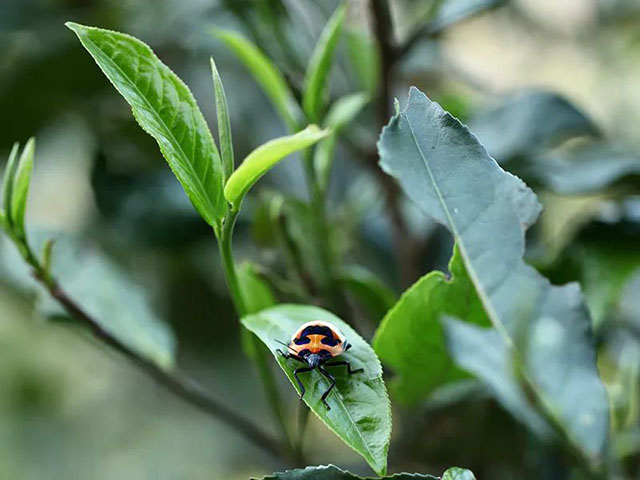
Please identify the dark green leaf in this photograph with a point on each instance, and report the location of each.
(263, 158)
(411, 338)
(360, 412)
(331, 472)
(256, 292)
(266, 74)
(369, 290)
(443, 168)
(20, 189)
(320, 65)
(165, 108)
(482, 352)
(7, 183)
(224, 124)
(528, 122)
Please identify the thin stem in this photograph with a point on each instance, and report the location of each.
(182, 387)
(225, 236)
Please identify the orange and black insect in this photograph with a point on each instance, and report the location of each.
(314, 344)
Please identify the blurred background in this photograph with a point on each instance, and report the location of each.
(551, 88)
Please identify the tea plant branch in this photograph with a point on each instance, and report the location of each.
(181, 386)
(225, 236)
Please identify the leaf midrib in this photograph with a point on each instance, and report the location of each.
(158, 117)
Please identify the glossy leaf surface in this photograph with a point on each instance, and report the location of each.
(360, 412)
(165, 108)
(443, 168)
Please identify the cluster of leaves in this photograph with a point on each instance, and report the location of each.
(493, 317)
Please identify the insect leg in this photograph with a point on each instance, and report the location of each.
(333, 384)
(295, 375)
(346, 364)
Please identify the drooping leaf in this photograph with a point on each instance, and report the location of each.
(528, 122)
(101, 288)
(317, 74)
(411, 338)
(266, 74)
(341, 113)
(20, 189)
(224, 124)
(590, 169)
(482, 352)
(165, 108)
(7, 183)
(360, 412)
(443, 168)
(376, 297)
(256, 292)
(265, 157)
(331, 472)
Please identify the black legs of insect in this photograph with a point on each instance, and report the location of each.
(346, 364)
(333, 384)
(295, 374)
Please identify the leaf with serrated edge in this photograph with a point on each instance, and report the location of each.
(331, 472)
(265, 157)
(320, 65)
(444, 169)
(421, 362)
(224, 124)
(20, 189)
(165, 108)
(360, 411)
(266, 74)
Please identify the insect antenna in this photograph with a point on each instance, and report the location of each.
(286, 345)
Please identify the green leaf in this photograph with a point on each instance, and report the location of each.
(7, 183)
(585, 170)
(3, 221)
(527, 122)
(224, 124)
(456, 473)
(365, 58)
(320, 65)
(360, 411)
(165, 109)
(102, 288)
(482, 352)
(342, 112)
(420, 370)
(256, 292)
(264, 158)
(331, 472)
(20, 189)
(369, 290)
(266, 74)
(441, 166)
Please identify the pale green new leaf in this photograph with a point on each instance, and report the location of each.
(331, 472)
(360, 411)
(165, 108)
(363, 52)
(265, 157)
(342, 112)
(266, 74)
(7, 183)
(224, 124)
(20, 189)
(411, 337)
(444, 169)
(320, 65)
